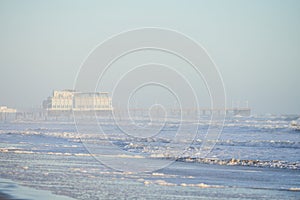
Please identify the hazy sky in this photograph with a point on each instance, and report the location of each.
(255, 44)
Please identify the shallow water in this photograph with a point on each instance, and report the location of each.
(50, 156)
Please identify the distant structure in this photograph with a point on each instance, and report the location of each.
(65, 101)
(5, 109)
(7, 114)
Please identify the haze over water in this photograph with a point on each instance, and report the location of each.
(149, 100)
(255, 45)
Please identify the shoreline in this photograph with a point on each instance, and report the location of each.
(12, 190)
(4, 196)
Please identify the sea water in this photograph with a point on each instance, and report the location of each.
(256, 157)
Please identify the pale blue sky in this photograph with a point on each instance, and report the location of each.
(255, 44)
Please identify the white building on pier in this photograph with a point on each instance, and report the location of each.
(70, 100)
(5, 109)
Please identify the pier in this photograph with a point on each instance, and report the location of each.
(44, 114)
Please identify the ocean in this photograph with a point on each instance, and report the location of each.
(256, 157)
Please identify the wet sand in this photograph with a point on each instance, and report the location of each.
(11, 190)
(4, 196)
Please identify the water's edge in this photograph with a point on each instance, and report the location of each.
(13, 190)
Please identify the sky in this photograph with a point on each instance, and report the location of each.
(255, 44)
